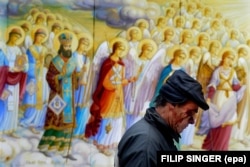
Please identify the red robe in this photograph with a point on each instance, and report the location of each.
(95, 110)
(12, 78)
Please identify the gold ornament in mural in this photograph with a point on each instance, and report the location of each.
(108, 128)
(21, 60)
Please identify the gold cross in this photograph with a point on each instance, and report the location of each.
(67, 91)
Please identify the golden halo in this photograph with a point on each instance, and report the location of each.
(197, 48)
(169, 9)
(9, 29)
(186, 31)
(56, 22)
(25, 23)
(200, 35)
(207, 8)
(148, 41)
(183, 20)
(215, 41)
(39, 27)
(224, 49)
(230, 30)
(119, 39)
(46, 11)
(74, 43)
(142, 21)
(170, 51)
(134, 28)
(243, 46)
(88, 36)
(40, 14)
(50, 16)
(196, 20)
(167, 29)
(33, 11)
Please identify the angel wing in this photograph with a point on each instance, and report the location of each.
(130, 62)
(224, 39)
(131, 67)
(149, 79)
(101, 54)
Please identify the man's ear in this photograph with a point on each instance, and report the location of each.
(170, 106)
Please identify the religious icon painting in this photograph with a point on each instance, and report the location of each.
(20, 61)
(57, 104)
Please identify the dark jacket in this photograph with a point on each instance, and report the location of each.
(139, 145)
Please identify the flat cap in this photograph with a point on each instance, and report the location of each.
(180, 87)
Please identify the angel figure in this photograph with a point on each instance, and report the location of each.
(224, 92)
(214, 29)
(189, 14)
(241, 129)
(186, 38)
(147, 50)
(208, 63)
(4, 93)
(131, 62)
(179, 23)
(155, 74)
(18, 64)
(156, 32)
(168, 36)
(55, 28)
(34, 101)
(105, 125)
(144, 27)
(82, 93)
(203, 40)
(170, 13)
(195, 27)
(233, 40)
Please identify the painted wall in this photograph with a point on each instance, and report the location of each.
(104, 21)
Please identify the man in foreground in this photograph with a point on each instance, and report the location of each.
(174, 108)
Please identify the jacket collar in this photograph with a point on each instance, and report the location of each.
(155, 119)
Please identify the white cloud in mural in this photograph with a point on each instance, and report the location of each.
(120, 13)
(23, 152)
(140, 4)
(131, 12)
(116, 13)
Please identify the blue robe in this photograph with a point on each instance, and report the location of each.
(34, 116)
(82, 110)
(3, 62)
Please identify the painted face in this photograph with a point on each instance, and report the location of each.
(203, 41)
(40, 38)
(134, 34)
(15, 36)
(148, 51)
(66, 50)
(229, 59)
(214, 48)
(169, 34)
(142, 25)
(83, 46)
(187, 37)
(120, 51)
(181, 58)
